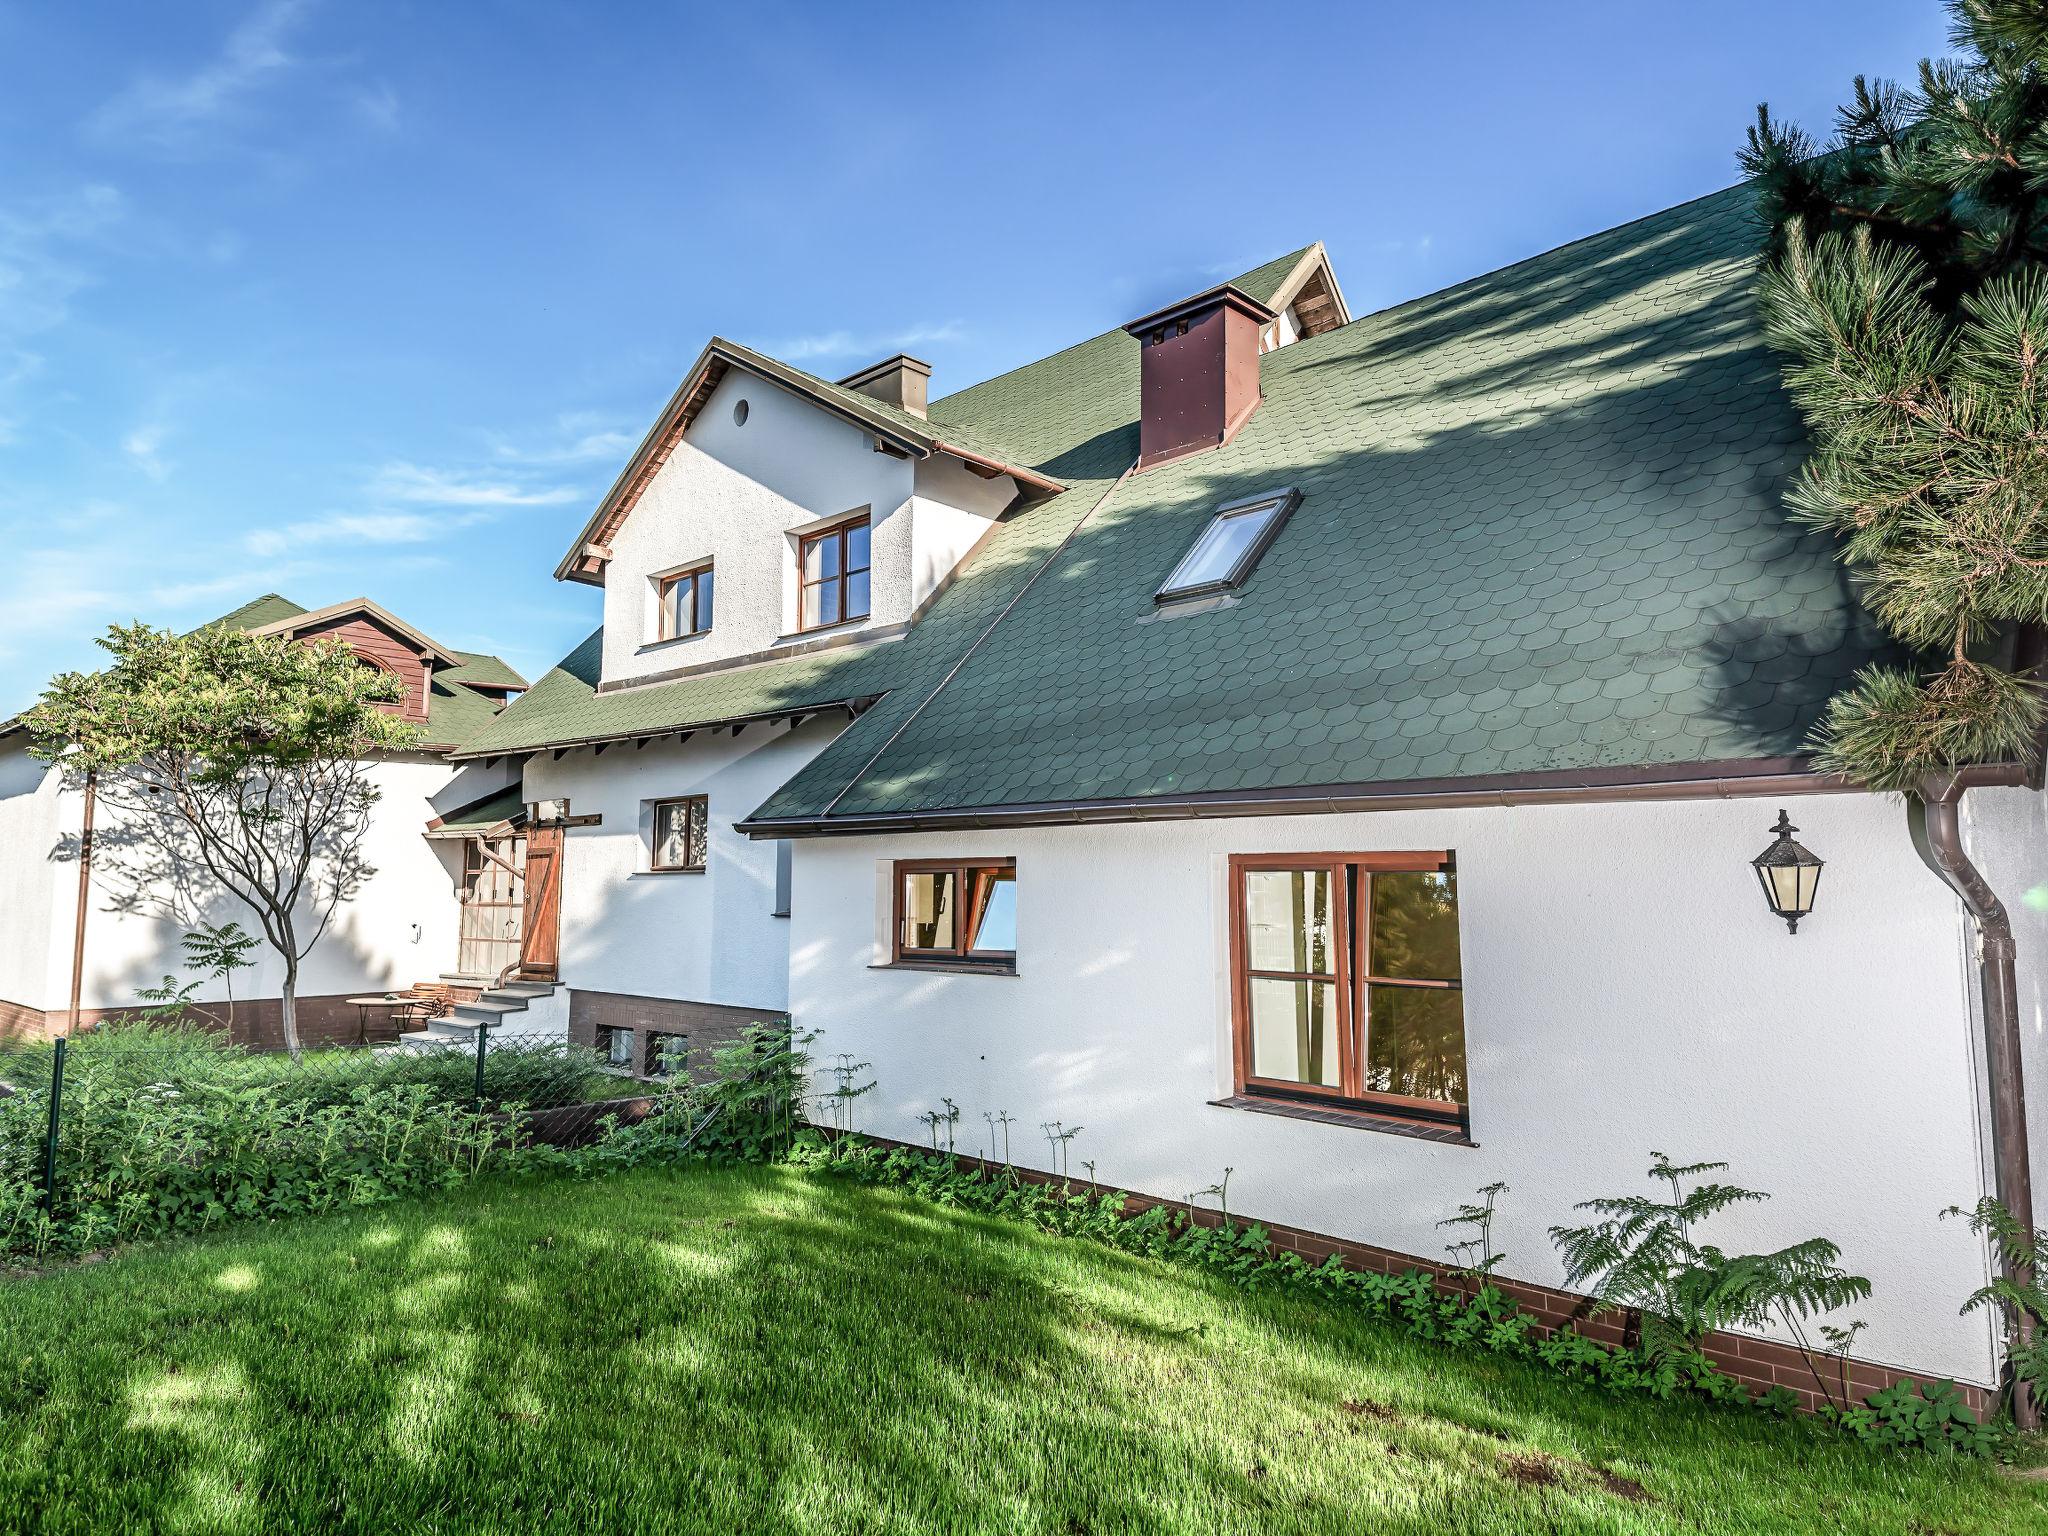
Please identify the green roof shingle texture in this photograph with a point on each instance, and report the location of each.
(483, 671)
(1542, 530)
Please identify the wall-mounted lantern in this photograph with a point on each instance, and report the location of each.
(1790, 875)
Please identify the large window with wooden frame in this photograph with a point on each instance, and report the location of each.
(1349, 987)
(679, 834)
(956, 913)
(682, 603)
(832, 573)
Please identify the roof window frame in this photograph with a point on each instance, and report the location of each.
(1284, 500)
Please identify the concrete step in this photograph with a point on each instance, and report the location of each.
(521, 989)
(490, 1008)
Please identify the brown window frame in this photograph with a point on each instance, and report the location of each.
(702, 812)
(662, 586)
(838, 531)
(959, 955)
(1350, 981)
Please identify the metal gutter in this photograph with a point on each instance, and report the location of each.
(1998, 988)
(1677, 781)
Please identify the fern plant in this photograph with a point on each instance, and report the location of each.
(2018, 1296)
(1644, 1254)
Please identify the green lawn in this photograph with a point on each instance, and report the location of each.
(766, 1351)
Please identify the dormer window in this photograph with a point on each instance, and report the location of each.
(683, 603)
(832, 567)
(1229, 546)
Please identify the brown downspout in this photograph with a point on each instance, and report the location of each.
(1941, 796)
(84, 902)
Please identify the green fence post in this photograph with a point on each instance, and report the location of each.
(50, 1135)
(482, 1036)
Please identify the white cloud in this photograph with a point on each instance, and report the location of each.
(48, 593)
(420, 485)
(40, 258)
(142, 446)
(577, 437)
(377, 106)
(871, 347)
(358, 528)
(174, 113)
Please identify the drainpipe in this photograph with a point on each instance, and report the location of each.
(84, 901)
(1941, 798)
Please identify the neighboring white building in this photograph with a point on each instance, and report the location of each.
(405, 926)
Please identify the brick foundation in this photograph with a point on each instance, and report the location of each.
(703, 1027)
(1757, 1363)
(324, 1020)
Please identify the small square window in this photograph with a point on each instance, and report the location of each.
(616, 1045)
(665, 1054)
(1229, 546)
(683, 603)
(957, 913)
(680, 831)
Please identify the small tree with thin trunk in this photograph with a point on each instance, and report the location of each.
(237, 757)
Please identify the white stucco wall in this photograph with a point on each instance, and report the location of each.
(399, 928)
(709, 938)
(737, 495)
(29, 846)
(741, 495)
(1625, 990)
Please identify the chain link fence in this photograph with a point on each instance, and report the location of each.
(140, 1129)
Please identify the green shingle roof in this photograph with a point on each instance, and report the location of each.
(260, 612)
(1541, 531)
(501, 805)
(483, 671)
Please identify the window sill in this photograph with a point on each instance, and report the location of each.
(661, 874)
(672, 640)
(1353, 1119)
(947, 967)
(821, 629)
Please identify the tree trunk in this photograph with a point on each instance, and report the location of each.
(290, 1009)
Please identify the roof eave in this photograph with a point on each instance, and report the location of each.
(1677, 781)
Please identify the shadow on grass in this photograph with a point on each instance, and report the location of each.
(759, 1351)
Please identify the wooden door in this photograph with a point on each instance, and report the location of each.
(493, 905)
(540, 941)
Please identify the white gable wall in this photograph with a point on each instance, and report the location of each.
(1625, 990)
(741, 496)
(737, 495)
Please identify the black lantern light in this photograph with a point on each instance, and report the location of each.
(1790, 875)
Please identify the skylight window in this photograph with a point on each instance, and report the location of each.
(1229, 547)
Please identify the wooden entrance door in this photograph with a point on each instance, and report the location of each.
(493, 904)
(540, 940)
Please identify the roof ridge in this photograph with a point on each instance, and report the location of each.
(1523, 261)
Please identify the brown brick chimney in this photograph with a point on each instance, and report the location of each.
(1198, 373)
(900, 381)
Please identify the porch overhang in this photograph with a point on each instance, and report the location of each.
(498, 814)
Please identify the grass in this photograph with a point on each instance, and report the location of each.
(762, 1350)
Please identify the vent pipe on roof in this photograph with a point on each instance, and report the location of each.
(1198, 373)
(902, 381)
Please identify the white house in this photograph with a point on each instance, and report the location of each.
(1328, 750)
(86, 936)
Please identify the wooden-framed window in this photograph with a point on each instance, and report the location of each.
(1347, 980)
(680, 830)
(832, 575)
(682, 603)
(956, 912)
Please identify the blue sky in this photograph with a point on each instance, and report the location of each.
(373, 298)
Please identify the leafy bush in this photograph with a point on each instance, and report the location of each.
(2018, 1295)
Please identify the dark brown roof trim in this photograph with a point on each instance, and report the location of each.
(1595, 786)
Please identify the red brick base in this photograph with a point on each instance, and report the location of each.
(324, 1019)
(1757, 1363)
